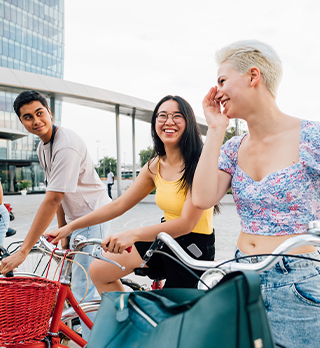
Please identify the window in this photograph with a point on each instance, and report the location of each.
(45, 28)
(29, 55)
(2, 101)
(29, 37)
(5, 46)
(34, 40)
(23, 53)
(25, 5)
(50, 46)
(18, 33)
(30, 21)
(24, 39)
(40, 26)
(17, 51)
(40, 43)
(23, 66)
(12, 31)
(7, 11)
(28, 67)
(41, 10)
(31, 6)
(8, 102)
(4, 62)
(10, 63)
(6, 29)
(13, 13)
(35, 24)
(19, 16)
(39, 61)
(44, 60)
(7, 119)
(36, 9)
(16, 64)
(1, 27)
(25, 20)
(34, 56)
(45, 45)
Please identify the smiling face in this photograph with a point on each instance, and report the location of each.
(233, 90)
(169, 132)
(36, 119)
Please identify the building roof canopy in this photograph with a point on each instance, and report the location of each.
(16, 81)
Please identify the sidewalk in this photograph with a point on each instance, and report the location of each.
(226, 224)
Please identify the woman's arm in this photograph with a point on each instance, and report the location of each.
(190, 215)
(140, 188)
(209, 183)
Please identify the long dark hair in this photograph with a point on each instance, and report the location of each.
(190, 144)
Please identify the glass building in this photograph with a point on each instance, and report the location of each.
(32, 40)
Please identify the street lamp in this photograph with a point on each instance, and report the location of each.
(104, 164)
(98, 141)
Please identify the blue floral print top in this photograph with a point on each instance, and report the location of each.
(283, 202)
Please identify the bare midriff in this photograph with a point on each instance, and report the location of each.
(253, 244)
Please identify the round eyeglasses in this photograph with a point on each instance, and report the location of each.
(162, 117)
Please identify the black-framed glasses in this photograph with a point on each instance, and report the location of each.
(163, 116)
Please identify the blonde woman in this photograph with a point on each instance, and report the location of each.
(274, 172)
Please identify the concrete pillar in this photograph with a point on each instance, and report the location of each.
(53, 108)
(133, 144)
(119, 177)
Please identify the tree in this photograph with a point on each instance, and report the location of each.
(105, 163)
(231, 130)
(145, 155)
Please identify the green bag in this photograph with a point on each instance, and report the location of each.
(228, 316)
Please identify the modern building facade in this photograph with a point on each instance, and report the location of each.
(32, 40)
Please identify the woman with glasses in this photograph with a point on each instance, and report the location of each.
(177, 147)
(274, 172)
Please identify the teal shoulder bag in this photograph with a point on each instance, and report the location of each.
(231, 315)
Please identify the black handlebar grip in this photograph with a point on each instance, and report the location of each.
(4, 254)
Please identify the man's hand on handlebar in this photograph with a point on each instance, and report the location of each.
(59, 234)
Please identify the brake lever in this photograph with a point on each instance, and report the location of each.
(157, 244)
(97, 254)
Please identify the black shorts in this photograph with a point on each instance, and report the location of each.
(176, 276)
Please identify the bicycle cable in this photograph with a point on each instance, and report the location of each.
(270, 254)
(231, 260)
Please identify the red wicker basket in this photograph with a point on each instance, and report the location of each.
(25, 308)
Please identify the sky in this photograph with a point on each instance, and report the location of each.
(148, 49)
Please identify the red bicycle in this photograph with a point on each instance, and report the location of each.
(27, 317)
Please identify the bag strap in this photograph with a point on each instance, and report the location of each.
(254, 307)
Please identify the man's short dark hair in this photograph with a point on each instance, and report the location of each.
(27, 97)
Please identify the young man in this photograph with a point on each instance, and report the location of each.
(73, 187)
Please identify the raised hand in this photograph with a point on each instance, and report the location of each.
(212, 110)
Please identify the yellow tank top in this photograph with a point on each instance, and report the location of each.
(171, 201)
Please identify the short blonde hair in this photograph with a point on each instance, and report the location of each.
(247, 54)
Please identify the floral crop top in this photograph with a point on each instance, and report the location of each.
(283, 202)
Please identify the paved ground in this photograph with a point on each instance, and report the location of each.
(226, 224)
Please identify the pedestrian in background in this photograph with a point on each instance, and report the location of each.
(110, 181)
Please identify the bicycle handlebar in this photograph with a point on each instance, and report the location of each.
(312, 238)
(79, 243)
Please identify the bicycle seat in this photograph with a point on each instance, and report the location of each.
(153, 273)
(10, 232)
